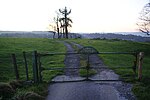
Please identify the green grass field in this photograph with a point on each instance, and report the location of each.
(18, 45)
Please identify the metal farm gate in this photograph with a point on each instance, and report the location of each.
(90, 70)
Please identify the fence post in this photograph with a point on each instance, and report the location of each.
(140, 62)
(40, 70)
(35, 67)
(15, 66)
(137, 58)
(135, 63)
(26, 65)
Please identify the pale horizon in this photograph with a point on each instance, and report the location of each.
(92, 16)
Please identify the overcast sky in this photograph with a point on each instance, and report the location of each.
(87, 15)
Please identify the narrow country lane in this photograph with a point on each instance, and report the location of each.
(86, 90)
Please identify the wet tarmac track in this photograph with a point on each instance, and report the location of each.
(88, 90)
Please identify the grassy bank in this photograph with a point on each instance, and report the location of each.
(17, 46)
(121, 63)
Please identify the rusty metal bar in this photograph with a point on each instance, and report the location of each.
(103, 67)
(59, 68)
(61, 53)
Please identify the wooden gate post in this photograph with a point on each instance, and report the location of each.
(15, 66)
(35, 67)
(140, 62)
(26, 65)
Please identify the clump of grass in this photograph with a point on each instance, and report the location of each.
(51, 74)
(83, 72)
(18, 90)
(25, 95)
(6, 90)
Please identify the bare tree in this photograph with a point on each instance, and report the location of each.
(65, 20)
(63, 25)
(56, 19)
(52, 29)
(62, 22)
(144, 20)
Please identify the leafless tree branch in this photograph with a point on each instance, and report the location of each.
(144, 19)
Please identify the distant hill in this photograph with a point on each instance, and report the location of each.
(20, 34)
(34, 34)
(50, 34)
(116, 36)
